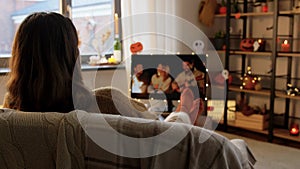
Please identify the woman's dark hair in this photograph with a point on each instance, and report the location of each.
(44, 64)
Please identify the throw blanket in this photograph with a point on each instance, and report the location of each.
(31, 140)
(70, 141)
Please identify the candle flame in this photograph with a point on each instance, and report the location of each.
(285, 42)
(259, 40)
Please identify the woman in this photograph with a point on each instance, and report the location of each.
(44, 66)
(46, 74)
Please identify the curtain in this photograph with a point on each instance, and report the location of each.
(147, 22)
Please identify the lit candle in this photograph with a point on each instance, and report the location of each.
(285, 46)
(294, 130)
(116, 24)
(264, 7)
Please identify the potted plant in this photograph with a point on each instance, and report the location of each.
(235, 7)
(219, 40)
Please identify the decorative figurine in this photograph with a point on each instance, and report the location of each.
(220, 78)
(198, 46)
(259, 45)
(250, 82)
(292, 90)
(136, 47)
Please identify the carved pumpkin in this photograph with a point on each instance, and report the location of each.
(247, 45)
(136, 47)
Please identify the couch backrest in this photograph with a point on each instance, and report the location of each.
(84, 140)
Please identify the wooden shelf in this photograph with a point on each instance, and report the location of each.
(251, 53)
(263, 92)
(247, 14)
(280, 133)
(284, 133)
(290, 54)
(290, 12)
(237, 52)
(284, 95)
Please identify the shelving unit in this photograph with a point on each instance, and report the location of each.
(271, 93)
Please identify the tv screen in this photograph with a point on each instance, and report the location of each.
(164, 76)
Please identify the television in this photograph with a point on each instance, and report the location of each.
(163, 76)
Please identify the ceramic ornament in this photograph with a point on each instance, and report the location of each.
(198, 46)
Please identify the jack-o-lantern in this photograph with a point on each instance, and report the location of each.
(136, 47)
(247, 45)
(250, 81)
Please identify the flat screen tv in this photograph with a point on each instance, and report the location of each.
(163, 76)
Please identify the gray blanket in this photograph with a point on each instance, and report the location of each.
(84, 140)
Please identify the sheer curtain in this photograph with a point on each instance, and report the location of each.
(148, 22)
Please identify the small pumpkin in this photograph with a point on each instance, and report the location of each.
(247, 45)
(136, 47)
(249, 82)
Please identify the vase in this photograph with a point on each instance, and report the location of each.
(219, 43)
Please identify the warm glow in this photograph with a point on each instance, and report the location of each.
(294, 130)
(259, 40)
(285, 42)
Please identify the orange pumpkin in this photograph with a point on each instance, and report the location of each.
(247, 45)
(136, 47)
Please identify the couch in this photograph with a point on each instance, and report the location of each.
(77, 140)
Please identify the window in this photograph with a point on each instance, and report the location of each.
(93, 20)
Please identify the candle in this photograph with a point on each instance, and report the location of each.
(285, 46)
(294, 130)
(116, 24)
(264, 7)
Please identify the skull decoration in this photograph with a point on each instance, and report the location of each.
(198, 46)
(259, 45)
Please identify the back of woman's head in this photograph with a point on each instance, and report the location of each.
(44, 55)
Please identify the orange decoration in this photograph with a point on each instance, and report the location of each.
(247, 45)
(237, 15)
(136, 47)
